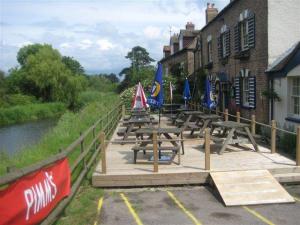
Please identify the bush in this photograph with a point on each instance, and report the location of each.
(30, 112)
(16, 99)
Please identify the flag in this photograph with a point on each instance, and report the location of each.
(171, 92)
(139, 99)
(208, 101)
(186, 91)
(156, 98)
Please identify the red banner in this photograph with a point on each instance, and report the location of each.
(31, 198)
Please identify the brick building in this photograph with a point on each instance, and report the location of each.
(180, 52)
(239, 44)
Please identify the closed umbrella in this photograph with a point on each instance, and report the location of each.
(139, 100)
(186, 91)
(208, 100)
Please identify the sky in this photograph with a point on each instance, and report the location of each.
(96, 33)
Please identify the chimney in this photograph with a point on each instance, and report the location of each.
(190, 26)
(211, 12)
(167, 51)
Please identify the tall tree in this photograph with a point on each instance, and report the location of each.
(73, 65)
(139, 57)
(26, 51)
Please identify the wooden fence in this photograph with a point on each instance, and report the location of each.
(86, 149)
(253, 124)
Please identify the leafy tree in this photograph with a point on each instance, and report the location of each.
(112, 77)
(139, 57)
(26, 51)
(101, 83)
(139, 70)
(73, 65)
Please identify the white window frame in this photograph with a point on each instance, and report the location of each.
(294, 109)
(244, 26)
(223, 40)
(172, 49)
(181, 42)
(245, 91)
(209, 51)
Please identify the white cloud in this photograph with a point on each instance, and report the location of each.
(152, 32)
(115, 24)
(84, 44)
(20, 45)
(105, 44)
(65, 45)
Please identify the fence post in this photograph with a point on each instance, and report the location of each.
(226, 115)
(238, 117)
(10, 169)
(94, 135)
(253, 124)
(155, 152)
(207, 148)
(103, 152)
(217, 110)
(298, 147)
(123, 111)
(82, 150)
(273, 136)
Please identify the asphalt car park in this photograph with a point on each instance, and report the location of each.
(189, 205)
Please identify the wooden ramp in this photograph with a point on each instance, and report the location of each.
(250, 187)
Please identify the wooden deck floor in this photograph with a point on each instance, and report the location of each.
(122, 172)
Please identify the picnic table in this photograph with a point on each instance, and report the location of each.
(133, 123)
(166, 132)
(233, 137)
(187, 123)
(205, 120)
(170, 108)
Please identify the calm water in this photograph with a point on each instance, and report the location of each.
(14, 138)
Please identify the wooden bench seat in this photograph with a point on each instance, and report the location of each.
(137, 148)
(216, 139)
(193, 126)
(122, 131)
(243, 133)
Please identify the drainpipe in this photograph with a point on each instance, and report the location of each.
(271, 82)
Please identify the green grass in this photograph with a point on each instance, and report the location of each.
(30, 112)
(67, 130)
(83, 207)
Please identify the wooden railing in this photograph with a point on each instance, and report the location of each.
(273, 128)
(86, 149)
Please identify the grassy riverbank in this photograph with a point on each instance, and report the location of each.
(30, 112)
(67, 130)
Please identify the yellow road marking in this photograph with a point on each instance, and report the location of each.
(131, 210)
(178, 203)
(259, 216)
(100, 203)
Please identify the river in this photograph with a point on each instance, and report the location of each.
(15, 137)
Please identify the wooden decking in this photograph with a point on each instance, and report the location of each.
(122, 172)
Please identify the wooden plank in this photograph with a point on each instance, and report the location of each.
(249, 188)
(156, 179)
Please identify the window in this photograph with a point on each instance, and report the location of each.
(244, 35)
(244, 32)
(295, 96)
(245, 89)
(223, 39)
(224, 42)
(209, 52)
(180, 42)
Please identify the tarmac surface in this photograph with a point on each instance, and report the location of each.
(188, 206)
